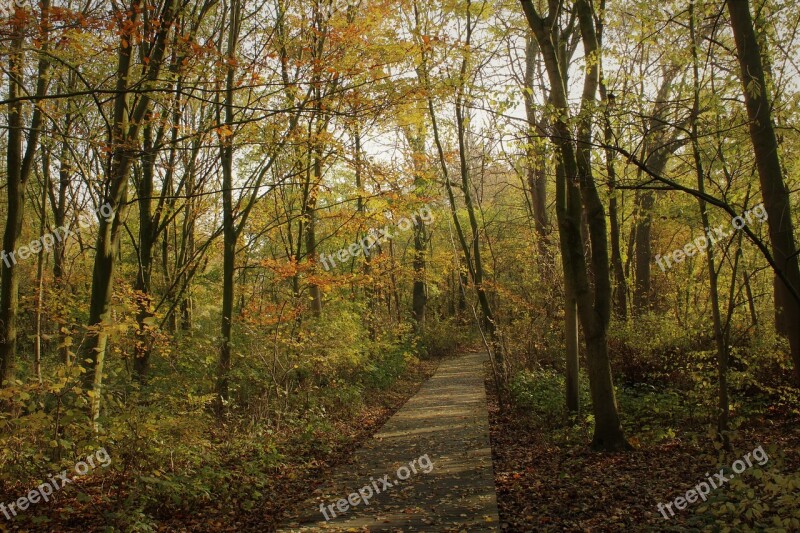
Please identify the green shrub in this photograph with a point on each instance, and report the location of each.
(442, 338)
(540, 393)
(383, 369)
(651, 349)
(762, 499)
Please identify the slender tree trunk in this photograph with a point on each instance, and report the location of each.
(420, 291)
(713, 276)
(751, 302)
(661, 145)
(228, 222)
(642, 292)
(566, 214)
(9, 287)
(318, 126)
(311, 226)
(189, 252)
(37, 344)
(147, 241)
(620, 294)
(620, 283)
(370, 293)
(620, 291)
(474, 264)
(169, 279)
(463, 280)
(466, 189)
(59, 219)
(536, 158)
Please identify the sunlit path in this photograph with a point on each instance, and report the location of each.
(446, 425)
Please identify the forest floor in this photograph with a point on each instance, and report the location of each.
(548, 479)
(429, 468)
(304, 466)
(477, 469)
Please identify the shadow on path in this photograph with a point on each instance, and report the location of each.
(439, 442)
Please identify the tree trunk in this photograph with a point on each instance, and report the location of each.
(775, 194)
(783, 324)
(419, 295)
(369, 290)
(536, 161)
(18, 167)
(107, 246)
(642, 292)
(311, 227)
(37, 344)
(471, 253)
(620, 294)
(9, 287)
(620, 283)
(420, 292)
(594, 309)
(59, 203)
(660, 146)
(123, 141)
(466, 189)
(720, 339)
(566, 214)
(597, 314)
(147, 241)
(228, 223)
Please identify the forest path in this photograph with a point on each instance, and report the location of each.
(447, 421)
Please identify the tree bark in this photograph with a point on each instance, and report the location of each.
(568, 214)
(660, 145)
(58, 200)
(124, 138)
(594, 307)
(229, 232)
(723, 408)
(536, 160)
(147, 241)
(642, 292)
(19, 169)
(419, 297)
(312, 193)
(620, 295)
(9, 293)
(783, 324)
(775, 194)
